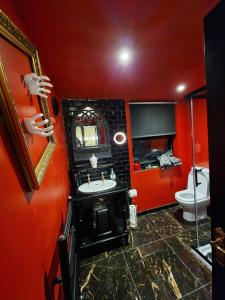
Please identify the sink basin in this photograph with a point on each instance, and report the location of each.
(97, 186)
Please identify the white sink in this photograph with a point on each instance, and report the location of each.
(97, 186)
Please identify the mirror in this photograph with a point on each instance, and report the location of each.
(90, 134)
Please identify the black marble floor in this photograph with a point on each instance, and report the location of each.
(156, 265)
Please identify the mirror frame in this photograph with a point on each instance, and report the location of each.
(33, 174)
(101, 151)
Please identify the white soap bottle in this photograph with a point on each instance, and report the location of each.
(112, 175)
(93, 161)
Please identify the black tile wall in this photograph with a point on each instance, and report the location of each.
(114, 112)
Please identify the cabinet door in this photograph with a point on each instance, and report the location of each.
(100, 217)
(120, 202)
(103, 217)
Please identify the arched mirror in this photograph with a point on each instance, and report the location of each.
(90, 134)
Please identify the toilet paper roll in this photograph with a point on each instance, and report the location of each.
(132, 193)
(133, 216)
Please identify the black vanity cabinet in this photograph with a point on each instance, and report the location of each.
(91, 125)
(100, 220)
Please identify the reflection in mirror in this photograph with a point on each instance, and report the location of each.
(90, 134)
(79, 137)
(90, 129)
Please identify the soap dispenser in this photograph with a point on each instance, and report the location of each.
(93, 161)
(112, 175)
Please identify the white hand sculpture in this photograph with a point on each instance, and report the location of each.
(33, 127)
(36, 85)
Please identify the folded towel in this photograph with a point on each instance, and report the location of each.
(174, 160)
(164, 161)
(167, 160)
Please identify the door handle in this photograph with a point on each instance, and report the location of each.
(219, 246)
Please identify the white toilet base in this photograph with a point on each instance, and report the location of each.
(190, 216)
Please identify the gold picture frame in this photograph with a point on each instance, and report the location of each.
(34, 152)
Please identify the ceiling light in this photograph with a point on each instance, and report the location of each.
(180, 88)
(124, 56)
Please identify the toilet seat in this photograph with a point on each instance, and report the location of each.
(188, 196)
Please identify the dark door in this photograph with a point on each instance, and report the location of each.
(214, 31)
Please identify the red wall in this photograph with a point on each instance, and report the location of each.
(156, 187)
(30, 222)
(201, 132)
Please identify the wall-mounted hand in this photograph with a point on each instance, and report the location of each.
(36, 84)
(33, 127)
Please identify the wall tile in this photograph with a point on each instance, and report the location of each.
(114, 112)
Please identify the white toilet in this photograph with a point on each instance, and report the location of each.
(186, 197)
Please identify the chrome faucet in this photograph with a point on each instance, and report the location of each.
(89, 180)
(103, 178)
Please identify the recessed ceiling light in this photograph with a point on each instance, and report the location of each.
(181, 87)
(124, 56)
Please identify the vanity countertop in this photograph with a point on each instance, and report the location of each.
(120, 187)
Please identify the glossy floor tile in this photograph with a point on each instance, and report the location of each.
(145, 233)
(156, 265)
(200, 294)
(164, 223)
(181, 247)
(108, 278)
(103, 255)
(156, 269)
